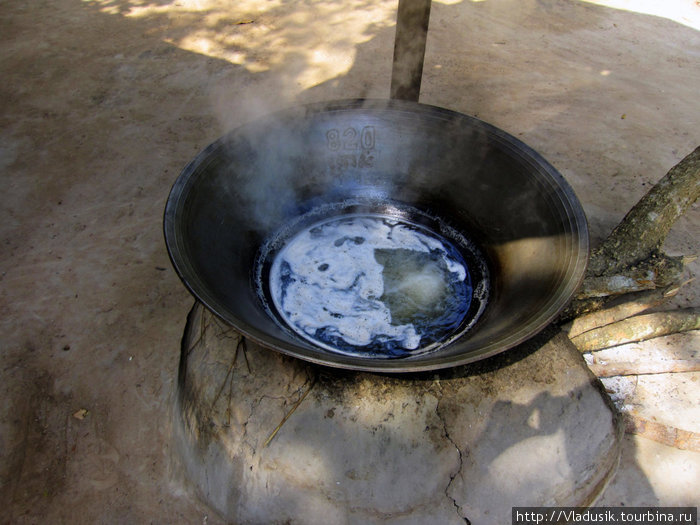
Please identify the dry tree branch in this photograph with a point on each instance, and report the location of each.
(666, 434)
(673, 366)
(644, 229)
(630, 259)
(632, 305)
(638, 328)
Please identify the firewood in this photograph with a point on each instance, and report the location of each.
(630, 259)
(644, 229)
(638, 328)
(632, 305)
(634, 368)
(661, 433)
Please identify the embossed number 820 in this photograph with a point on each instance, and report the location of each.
(350, 139)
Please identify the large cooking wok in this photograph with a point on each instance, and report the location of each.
(441, 168)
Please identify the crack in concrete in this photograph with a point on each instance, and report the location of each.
(253, 408)
(459, 469)
(291, 411)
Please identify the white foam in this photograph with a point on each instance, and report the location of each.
(327, 277)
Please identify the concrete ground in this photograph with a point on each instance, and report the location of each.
(104, 101)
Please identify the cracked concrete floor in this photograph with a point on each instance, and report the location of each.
(103, 103)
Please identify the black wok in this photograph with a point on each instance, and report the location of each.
(387, 157)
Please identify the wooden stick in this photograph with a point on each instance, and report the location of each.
(409, 48)
(618, 284)
(635, 369)
(644, 229)
(639, 328)
(658, 271)
(666, 434)
(633, 305)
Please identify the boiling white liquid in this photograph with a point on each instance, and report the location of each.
(367, 280)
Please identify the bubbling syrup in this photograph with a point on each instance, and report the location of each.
(370, 285)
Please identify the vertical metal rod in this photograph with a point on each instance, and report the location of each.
(409, 48)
